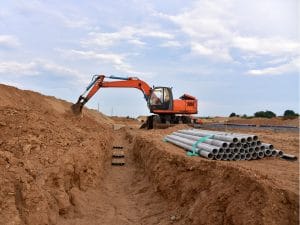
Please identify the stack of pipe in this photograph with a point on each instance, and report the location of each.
(223, 145)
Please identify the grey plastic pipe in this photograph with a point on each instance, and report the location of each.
(205, 154)
(248, 137)
(201, 146)
(224, 157)
(248, 156)
(251, 150)
(278, 152)
(216, 136)
(268, 152)
(254, 155)
(269, 146)
(237, 157)
(274, 153)
(257, 149)
(208, 141)
(260, 154)
(219, 156)
(242, 150)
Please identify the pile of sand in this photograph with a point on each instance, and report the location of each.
(47, 156)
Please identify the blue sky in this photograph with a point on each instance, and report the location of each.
(234, 56)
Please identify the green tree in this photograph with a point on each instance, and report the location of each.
(290, 114)
(266, 114)
(232, 115)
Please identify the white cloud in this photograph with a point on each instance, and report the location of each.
(117, 60)
(156, 34)
(291, 66)
(266, 46)
(9, 41)
(212, 30)
(199, 49)
(171, 44)
(69, 17)
(137, 42)
(128, 34)
(36, 67)
(206, 31)
(74, 22)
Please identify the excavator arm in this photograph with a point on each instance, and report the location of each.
(98, 82)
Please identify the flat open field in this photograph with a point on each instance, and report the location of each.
(278, 121)
(55, 168)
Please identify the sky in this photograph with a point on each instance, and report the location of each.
(232, 55)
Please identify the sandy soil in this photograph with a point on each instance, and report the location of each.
(125, 196)
(45, 155)
(56, 169)
(216, 192)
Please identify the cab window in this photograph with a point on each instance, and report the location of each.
(160, 96)
(157, 96)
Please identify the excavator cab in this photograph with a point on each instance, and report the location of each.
(161, 98)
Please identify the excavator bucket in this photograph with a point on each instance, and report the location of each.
(77, 108)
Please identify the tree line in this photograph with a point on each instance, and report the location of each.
(288, 114)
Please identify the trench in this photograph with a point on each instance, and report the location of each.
(158, 185)
(125, 196)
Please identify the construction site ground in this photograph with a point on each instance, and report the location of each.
(55, 168)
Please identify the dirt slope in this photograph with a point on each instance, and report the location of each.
(47, 156)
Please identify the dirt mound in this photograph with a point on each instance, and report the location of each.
(47, 156)
(213, 192)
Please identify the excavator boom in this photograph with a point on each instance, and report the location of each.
(98, 82)
(159, 99)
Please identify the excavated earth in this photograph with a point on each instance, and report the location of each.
(55, 168)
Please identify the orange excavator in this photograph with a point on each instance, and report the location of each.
(159, 100)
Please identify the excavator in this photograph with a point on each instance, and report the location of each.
(160, 100)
